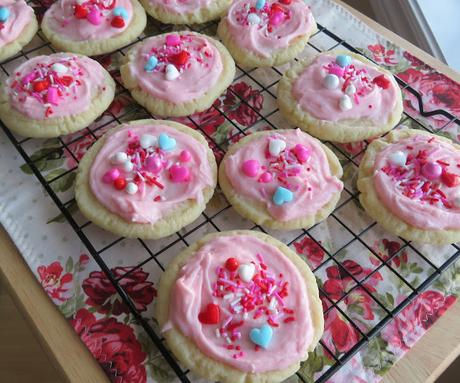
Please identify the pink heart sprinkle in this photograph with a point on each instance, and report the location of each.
(185, 156)
(179, 173)
(52, 95)
(265, 177)
(172, 40)
(94, 16)
(302, 153)
(29, 77)
(251, 168)
(153, 164)
(111, 175)
(336, 69)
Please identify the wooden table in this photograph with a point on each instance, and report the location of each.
(424, 363)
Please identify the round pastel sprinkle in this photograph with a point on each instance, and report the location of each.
(331, 81)
(351, 89)
(4, 14)
(153, 164)
(282, 196)
(179, 173)
(185, 156)
(172, 40)
(431, 170)
(265, 177)
(94, 16)
(345, 103)
(302, 153)
(253, 19)
(276, 146)
(343, 60)
(251, 168)
(166, 143)
(119, 158)
(171, 72)
(59, 68)
(128, 166)
(260, 4)
(261, 336)
(111, 175)
(398, 158)
(131, 188)
(151, 64)
(120, 11)
(147, 140)
(232, 264)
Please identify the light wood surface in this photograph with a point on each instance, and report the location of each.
(424, 363)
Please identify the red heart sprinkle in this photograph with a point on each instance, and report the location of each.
(118, 22)
(66, 80)
(180, 58)
(287, 2)
(119, 183)
(450, 179)
(277, 8)
(211, 315)
(232, 264)
(80, 12)
(382, 81)
(41, 85)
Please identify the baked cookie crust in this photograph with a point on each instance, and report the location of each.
(27, 34)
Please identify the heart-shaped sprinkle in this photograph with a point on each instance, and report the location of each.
(336, 70)
(265, 177)
(172, 40)
(261, 336)
(302, 153)
(180, 58)
(111, 175)
(211, 315)
(450, 179)
(398, 158)
(381, 81)
(331, 81)
(185, 156)
(153, 164)
(94, 16)
(246, 271)
(166, 143)
(147, 140)
(276, 146)
(120, 11)
(343, 60)
(119, 158)
(59, 68)
(287, 2)
(251, 168)
(80, 12)
(282, 196)
(260, 4)
(345, 103)
(41, 85)
(4, 14)
(131, 188)
(232, 264)
(118, 22)
(151, 64)
(171, 72)
(179, 173)
(253, 19)
(52, 96)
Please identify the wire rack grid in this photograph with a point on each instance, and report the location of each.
(323, 40)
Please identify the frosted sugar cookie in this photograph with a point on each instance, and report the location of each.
(266, 32)
(185, 11)
(18, 26)
(340, 97)
(93, 27)
(146, 179)
(240, 306)
(410, 184)
(282, 179)
(48, 96)
(178, 74)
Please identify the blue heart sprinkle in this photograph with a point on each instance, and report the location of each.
(260, 4)
(343, 60)
(4, 14)
(166, 143)
(261, 336)
(151, 64)
(282, 195)
(121, 11)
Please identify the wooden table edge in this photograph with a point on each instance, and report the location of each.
(75, 363)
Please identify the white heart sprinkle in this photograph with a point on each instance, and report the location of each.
(331, 81)
(147, 140)
(246, 271)
(119, 158)
(345, 103)
(276, 146)
(128, 166)
(351, 89)
(131, 188)
(171, 72)
(253, 18)
(59, 68)
(398, 158)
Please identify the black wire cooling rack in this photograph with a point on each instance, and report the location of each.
(66, 207)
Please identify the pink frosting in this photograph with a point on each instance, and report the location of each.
(370, 100)
(181, 6)
(20, 15)
(432, 204)
(198, 285)
(198, 74)
(98, 24)
(279, 24)
(73, 90)
(159, 189)
(310, 181)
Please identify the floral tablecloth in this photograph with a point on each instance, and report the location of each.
(87, 299)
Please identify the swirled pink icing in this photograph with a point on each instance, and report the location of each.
(425, 191)
(80, 20)
(276, 27)
(38, 91)
(181, 6)
(197, 61)
(162, 178)
(20, 14)
(301, 167)
(275, 296)
(370, 100)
